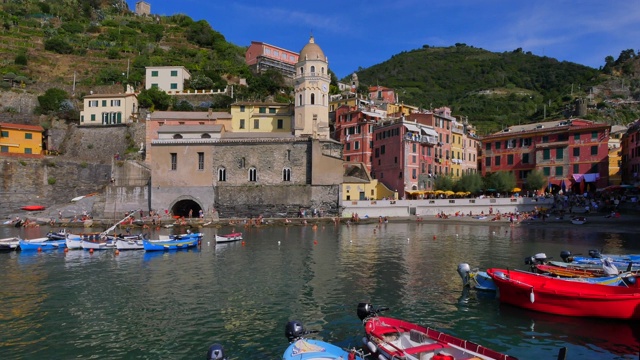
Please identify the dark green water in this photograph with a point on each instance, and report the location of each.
(140, 305)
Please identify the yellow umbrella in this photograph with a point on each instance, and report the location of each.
(516, 189)
(438, 192)
(461, 193)
(449, 193)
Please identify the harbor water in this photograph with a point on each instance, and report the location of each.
(173, 305)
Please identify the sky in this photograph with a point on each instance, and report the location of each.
(358, 33)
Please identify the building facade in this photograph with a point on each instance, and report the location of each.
(143, 8)
(354, 129)
(261, 57)
(109, 109)
(630, 150)
(261, 117)
(574, 152)
(169, 79)
(21, 139)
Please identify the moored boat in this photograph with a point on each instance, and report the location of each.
(170, 244)
(9, 244)
(475, 278)
(389, 338)
(301, 348)
(41, 244)
(228, 237)
(578, 220)
(562, 297)
(33, 207)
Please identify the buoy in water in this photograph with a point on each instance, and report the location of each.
(278, 242)
(315, 242)
(243, 243)
(39, 249)
(117, 252)
(90, 251)
(434, 237)
(66, 250)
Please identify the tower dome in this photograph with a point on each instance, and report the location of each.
(312, 51)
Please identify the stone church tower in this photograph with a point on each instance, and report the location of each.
(312, 93)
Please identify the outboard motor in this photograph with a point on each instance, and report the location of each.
(294, 330)
(609, 268)
(539, 258)
(630, 281)
(464, 270)
(216, 352)
(566, 255)
(365, 310)
(595, 254)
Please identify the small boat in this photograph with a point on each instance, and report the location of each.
(33, 208)
(475, 279)
(216, 352)
(57, 235)
(170, 244)
(301, 348)
(77, 198)
(41, 244)
(9, 244)
(98, 244)
(228, 238)
(389, 338)
(562, 297)
(578, 220)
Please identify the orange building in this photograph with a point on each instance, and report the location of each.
(20, 139)
(261, 56)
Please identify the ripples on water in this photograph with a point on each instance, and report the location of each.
(174, 305)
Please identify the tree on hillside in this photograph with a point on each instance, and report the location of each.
(58, 45)
(51, 101)
(154, 99)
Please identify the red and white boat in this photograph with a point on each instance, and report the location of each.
(563, 297)
(228, 238)
(389, 338)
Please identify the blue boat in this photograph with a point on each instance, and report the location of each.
(31, 245)
(310, 349)
(170, 244)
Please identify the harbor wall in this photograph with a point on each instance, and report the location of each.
(432, 207)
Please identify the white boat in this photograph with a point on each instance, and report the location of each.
(98, 245)
(9, 244)
(228, 238)
(579, 220)
(129, 244)
(73, 242)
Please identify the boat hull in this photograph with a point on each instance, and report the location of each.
(124, 244)
(170, 245)
(228, 238)
(563, 297)
(309, 349)
(42, 245)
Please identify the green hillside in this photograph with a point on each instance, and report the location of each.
(492, 89)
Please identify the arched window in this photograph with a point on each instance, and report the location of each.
(177, 136)
(313, 69)
(253, 174)
(205, 136)
(222, 174)
(300, 100)
(322, 70)
(286, 174)
(313, 99)
(301, 70)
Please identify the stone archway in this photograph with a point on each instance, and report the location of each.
(184, 206)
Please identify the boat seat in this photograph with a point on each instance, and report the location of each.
(424, 348)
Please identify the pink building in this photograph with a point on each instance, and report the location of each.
(574, 152)
(354, 129)
(630, 150)
(382, 94)
(261, 56)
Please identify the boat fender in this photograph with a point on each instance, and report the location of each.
(532, 297)
(372, 347)
(216, 352)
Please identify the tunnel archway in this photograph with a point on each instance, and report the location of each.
(182, 208)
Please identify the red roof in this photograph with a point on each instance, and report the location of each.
(21, 127)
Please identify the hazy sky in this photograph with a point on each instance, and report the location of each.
(357, 33)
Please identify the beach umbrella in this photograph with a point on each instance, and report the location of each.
(516, 189)
(449, 193)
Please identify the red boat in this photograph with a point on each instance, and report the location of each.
(33, 207)
(389, 338)
(563, 297)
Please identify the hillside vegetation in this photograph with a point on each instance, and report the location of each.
(499, 89)
(51, 44)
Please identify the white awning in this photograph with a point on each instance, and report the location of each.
(411, 127)
(428, 131)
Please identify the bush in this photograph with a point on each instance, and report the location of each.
(84, 164)
(20, 59)
(58, 45)
(113, 53)
(51, 180)
(51, 101)
(73, 27)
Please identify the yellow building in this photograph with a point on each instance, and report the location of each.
(109, 109)
(21, 139)
(457, 151)
(357, 184)
(261, 117)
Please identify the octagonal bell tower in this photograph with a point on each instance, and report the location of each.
(311, 115)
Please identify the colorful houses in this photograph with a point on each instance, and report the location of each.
(169, 79)
(20, 139)
(247, 116)
(572, 152)
(262, 56)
